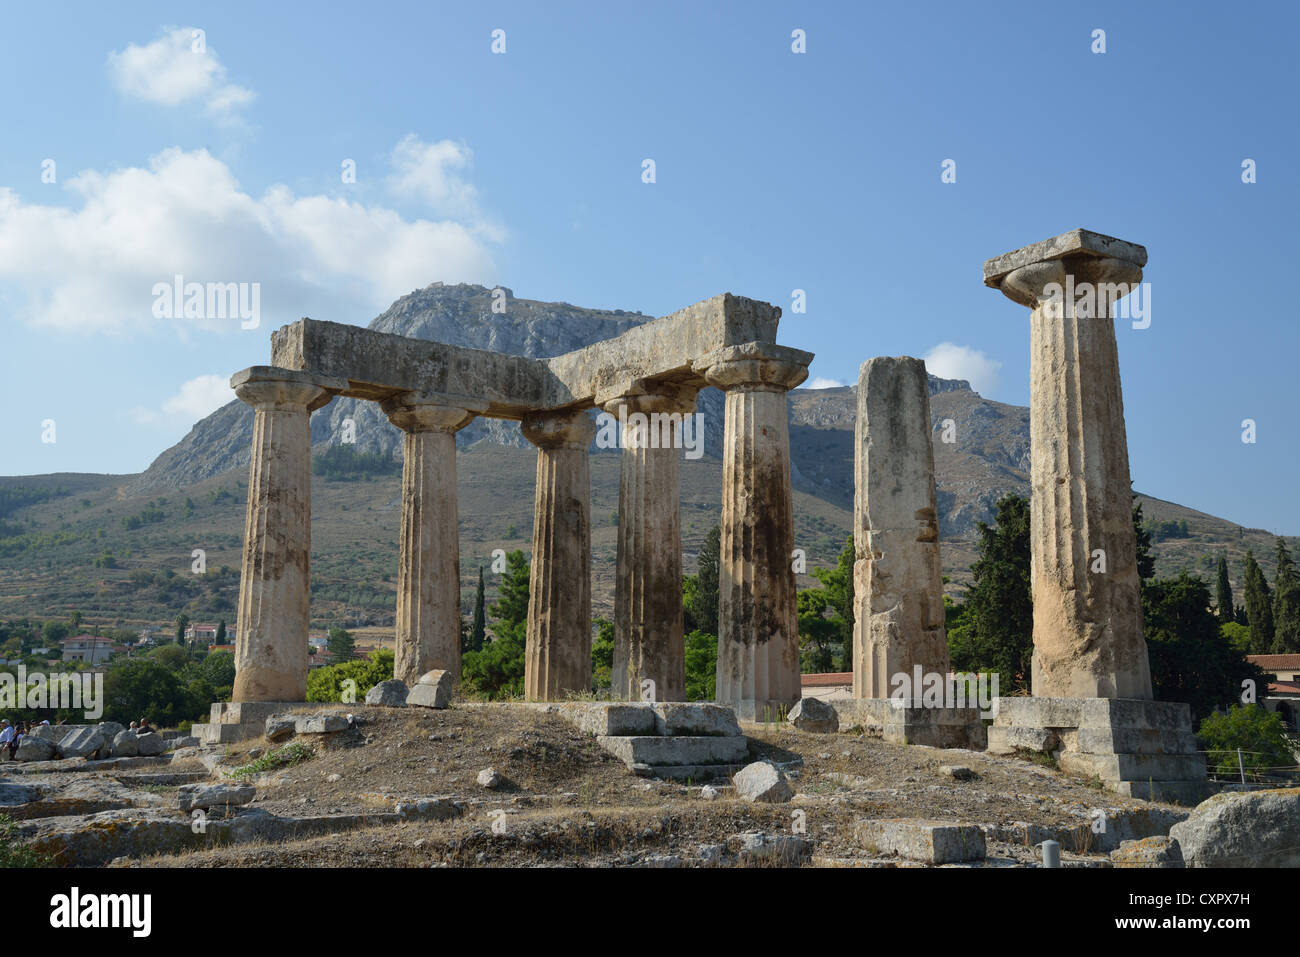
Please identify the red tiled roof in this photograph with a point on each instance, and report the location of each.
(830, 679)
(1268, 662)
(1284, 687)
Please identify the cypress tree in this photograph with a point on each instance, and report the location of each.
(478, 630)
(1259, 608)
(1286, 604)
(704, 601)
(1223, 596)
(999, 606)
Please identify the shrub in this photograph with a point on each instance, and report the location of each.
(1260, 734)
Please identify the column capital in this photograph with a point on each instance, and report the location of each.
(648, 395)
(754, 366)
(1079, 256)
(431, 411)
(565, 429)
(271, 388)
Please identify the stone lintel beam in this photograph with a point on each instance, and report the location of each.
(376, 365)
(276, 385)
(428, 569)
(557, 656)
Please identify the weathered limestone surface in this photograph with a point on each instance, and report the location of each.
(558, 653)
(1255, 829)
(648, 641)
(884, 719)
(271, 648)
(1088, 638)
(932, 842)
(898, 579)
(758, 643)
(428, 568)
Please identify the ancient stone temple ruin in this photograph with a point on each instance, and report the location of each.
(1092, 701)
(430, 390)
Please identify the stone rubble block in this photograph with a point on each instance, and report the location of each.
(694, 718)
(126, 744)
(762, 846)
(320, 724)
(204, 796)
(814, 716)
(1159, 851)
(86, 742)
(931, 842)
(388, 694)
(675, 750)
(150, 744)
(612, 720)
(762, 782)
(1242, 829)
(433, 690)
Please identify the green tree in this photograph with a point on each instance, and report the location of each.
(1259, 734)
(1223, 593)
(1286, 603)
(182, 622)
(996, 624)
(142, 688)
(478, 629)
(1190, 660)
(602, 656)
(341, 645)
(171, 657)
(52, 633)
(329, 683)
(218, 670)
(703, 605)
(701, 666)
(497, 671)
(221, 632)
(826, 617)
(1259, 607)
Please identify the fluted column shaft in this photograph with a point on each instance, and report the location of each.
(758, 644)
(558, 652)
(648, 639)
(1088, 630)
(271, 645)
(428, 568)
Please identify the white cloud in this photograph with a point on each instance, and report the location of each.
(950, 361)
(177, 68)
(431, 173)
(92, 268)
(197, 398)
(823, 383)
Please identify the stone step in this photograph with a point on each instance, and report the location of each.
(931, 842)
(676, 750)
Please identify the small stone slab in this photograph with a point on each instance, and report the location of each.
(150, 744)
(204, 796)
(432, 691)
(814, 716)
(613, 720)
(1077, 242)
(126, 744)
(931, 842)
(675, 750)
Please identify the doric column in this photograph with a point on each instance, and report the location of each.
(1088, 640)
(428, 567)
(897, 578)
(648, 641)
(558, 656)
(758, 644)
(271, 645)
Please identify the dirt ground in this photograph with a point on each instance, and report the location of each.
(566, 802)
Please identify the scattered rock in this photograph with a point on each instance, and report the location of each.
(205, 796)
(125, 744)
(814, 716)
(779, 848)
(957, 772)
(84, 743)
(432, 691)
(762, 782)
(709, 793)
(932, 842)
(1235, 829)
(709, 854)
(334, 778)
(279, 727)
(110, 730)
(1148, 852)
(388, 694)
(490, 779)
(320, 724)
(150, 743)
(660, 861)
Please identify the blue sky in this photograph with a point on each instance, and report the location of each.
(775, 171)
